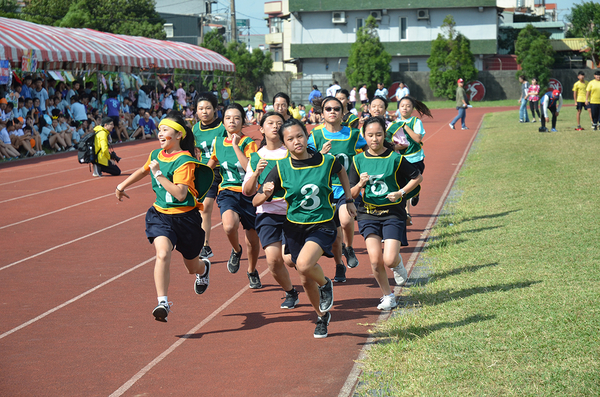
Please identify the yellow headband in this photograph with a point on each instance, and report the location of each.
(176, 126)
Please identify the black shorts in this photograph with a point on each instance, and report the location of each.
(115, 120)
(212, 192)
(259, 111)
(392, 228)
(184, 230)
(337, 203)
(582, 105)
(240, 204)
(296, 237)
(269, 228)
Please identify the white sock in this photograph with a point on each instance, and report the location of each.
(162, 299)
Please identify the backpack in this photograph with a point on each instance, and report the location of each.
(86, 149)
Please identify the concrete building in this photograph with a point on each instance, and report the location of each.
(279, 37)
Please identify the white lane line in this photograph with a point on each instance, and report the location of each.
(70, 242)
(127, 385)
(67, 208)
(352, 379)
(33, 320)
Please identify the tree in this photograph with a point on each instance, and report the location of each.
(450, 59)
(534, 54)
(8, 8)
(368, 62)
(585, 18)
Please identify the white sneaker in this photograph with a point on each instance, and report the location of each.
(96, 170)
(388, 302)
(400, 274)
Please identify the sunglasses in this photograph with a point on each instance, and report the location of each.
(336, 109)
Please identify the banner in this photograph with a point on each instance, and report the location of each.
(29, 62)
(5, 74)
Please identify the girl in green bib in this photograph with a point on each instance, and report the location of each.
(174, 220)
(309, 230)
(231, 153)
(349, 114)
(386, 180)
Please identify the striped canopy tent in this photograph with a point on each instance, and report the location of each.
(65, 48)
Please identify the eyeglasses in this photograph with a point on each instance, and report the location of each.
(336, 109)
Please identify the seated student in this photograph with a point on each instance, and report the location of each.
(61, 103)
(49, 136)
(35, 141)
(19, 140)
(20, 110)
(3, 112)
(302, 111)
(65, 130)
(6, 147)
(146, 128)
(126, 114)
(294, 111)
(104, 161)
(80, 130)
(137, 118)
(250, 119)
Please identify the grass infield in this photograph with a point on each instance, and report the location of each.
(508, 299)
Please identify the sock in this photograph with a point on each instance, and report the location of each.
(162, 299)
(292, 291)
(392, 295)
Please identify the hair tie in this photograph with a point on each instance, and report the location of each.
(175, 125)
(54, 117)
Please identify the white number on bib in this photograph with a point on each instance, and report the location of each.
(316, 201)
(204, 148)
(230, 177)
(343, 158)
(168, 197)
(378, 188)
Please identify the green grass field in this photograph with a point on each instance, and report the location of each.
(512, 302)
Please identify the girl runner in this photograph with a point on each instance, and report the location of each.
(174, 220)
(343, 142)
(411, 128)
(205, 132)
(270, 216)
(309, 228)
(534, 99)
(281, 103)
(349, 118)
(386, 179)
(232, 152)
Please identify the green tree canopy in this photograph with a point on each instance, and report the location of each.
(368, 62)
(534, 54)
(585, 18)
(450, 59)
(8, 8)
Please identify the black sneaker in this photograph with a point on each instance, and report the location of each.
(161, 311)
(321, 328)
(415, 200)
(206, 252)
(201, 283)
(340, 273)
(291, 299)
(351, 258)
(233, 264)
(326, 296)
(254, 279)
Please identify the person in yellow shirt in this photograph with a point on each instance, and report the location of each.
(258, 103)
(579, 98)
(294, 111)
(592, 98)
(104, 160)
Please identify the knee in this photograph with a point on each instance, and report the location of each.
(230, 227)
(163, 255)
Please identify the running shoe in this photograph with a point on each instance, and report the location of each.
(161, 311)
(579, 128)
(388, 302)
(533, 121)
(321, 328)
(340, 273)
(97, 171)
(400, 274)
(351, 258)
(291, 299)
(451, 126)
(464, 128)
(201, 283)
(408, 220)
(206, 252)
(254, 280)
(233, 264)
(415, 200)
(553, 130)
(326, 296)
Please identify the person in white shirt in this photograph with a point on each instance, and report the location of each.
(381, 91)
(401, 92)
(364, 98)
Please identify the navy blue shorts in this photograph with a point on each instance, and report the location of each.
(184, 230)
(269, 228)
(240, 204)
(212, 192)
(581, 105)
(339, 201)
(296, 237)
(392, 228)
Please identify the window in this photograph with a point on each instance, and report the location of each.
(402, 28)
(168, 29)
(360, 22)
(408, 66)
(276, 56)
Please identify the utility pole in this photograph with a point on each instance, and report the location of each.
(234, 36)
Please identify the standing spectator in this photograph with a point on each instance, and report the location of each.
(334, 88)
(78, 111)
(592, 98)
(192, 93)
(314, 94)
(401, 92)
(551, 101)
(26, 88)
(166, 98)
(181, 96)
(329, 91)
(533, 95)
(461, 105)
(113, 110)
(40, 92)
(104, 162)
(523, 115)
(226, 94)
(352, 98)
(74, 90)
(214, 90)
(579, 93)
(144, 101)
(258, 103)
(381, 91)
(363, 94)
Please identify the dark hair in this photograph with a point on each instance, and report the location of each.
(290, 123)
(385, 101)
(106, 120)
(315, 87)
(597, 72)
(75, 98)
(347, 95)
(112, 94)
(55, 112)
(329, 99)
(381, 121)
(188, 142)
(27, 128)
(284, 96)
(581, 73)
(522, 77)
(208, 97)
(418, 105)
(262, 122)
(236, 106)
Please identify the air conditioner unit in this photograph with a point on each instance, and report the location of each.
(274, 29)
(376, 15)
(338, 17)
(422, 14)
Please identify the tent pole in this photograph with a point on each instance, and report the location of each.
(99, 93)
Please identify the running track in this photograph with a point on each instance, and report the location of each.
(78, 291)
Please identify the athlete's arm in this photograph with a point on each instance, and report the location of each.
(133, 178)
(250, 184)
(271, 183)
(343, 176)
(415, 137)
(178, 191)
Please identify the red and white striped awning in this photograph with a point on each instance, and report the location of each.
(79, 47)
